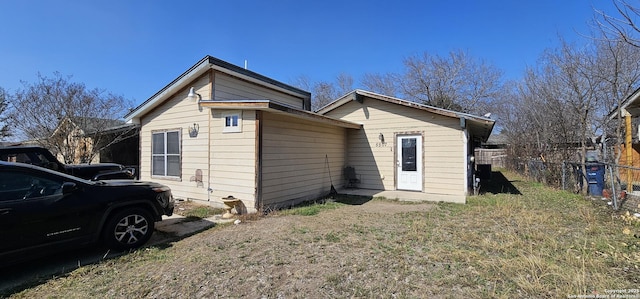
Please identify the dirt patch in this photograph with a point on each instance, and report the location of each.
(194, 209)
(325, 255)
(496, 246)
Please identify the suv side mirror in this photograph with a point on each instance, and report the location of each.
(68, 187)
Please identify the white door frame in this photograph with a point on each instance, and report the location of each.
(409, 162)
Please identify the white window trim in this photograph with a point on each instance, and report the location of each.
(232, 129)
(165, 154)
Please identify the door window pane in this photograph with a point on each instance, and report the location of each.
(409, 154)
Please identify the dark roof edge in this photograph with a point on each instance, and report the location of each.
(246, 72)
(225, 65)
(206, 58)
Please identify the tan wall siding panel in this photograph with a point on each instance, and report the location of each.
(294, 166)
(178, 112)
(233, 158)
(375, 161)
(231, 88)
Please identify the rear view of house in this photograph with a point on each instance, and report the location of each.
(220, 130)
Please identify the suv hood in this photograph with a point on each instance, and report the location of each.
(97, 166)
(131, 183)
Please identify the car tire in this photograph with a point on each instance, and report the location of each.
(127, 229)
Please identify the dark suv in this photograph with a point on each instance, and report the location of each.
(43, 210)
(42, 157)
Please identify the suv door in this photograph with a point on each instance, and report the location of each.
(34, 210)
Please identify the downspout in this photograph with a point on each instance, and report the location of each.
(209, 117)
(258, 204)
(465, 154)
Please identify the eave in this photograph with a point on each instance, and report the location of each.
(480, 127)
(279, 108)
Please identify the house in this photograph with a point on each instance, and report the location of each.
(219, 130)
(92, 140)
(626, 116)
(403, 145)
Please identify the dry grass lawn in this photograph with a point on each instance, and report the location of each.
(541, 243)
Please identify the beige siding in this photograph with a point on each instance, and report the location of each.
(294, 159)
(233, 158)
(180, 113)
(375, 161)
(231, 88)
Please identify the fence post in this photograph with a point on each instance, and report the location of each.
(564, 173)
(614, 196)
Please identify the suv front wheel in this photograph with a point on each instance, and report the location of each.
(128, 229)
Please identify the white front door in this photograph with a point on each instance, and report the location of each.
(409, 162)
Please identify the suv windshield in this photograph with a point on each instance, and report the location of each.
(28, 158)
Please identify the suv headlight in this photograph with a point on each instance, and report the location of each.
(161, 189)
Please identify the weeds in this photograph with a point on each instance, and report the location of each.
(312, 209)
(540, 243)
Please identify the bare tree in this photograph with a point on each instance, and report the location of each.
(344, 84)
(65, 116)
(457, 82)
(621, 25)
(4, 127)
(558, 107)
(386, 84)
(322, 92)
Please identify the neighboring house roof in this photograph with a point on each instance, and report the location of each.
(123, 127)
(201, 67)
(480, 127)
(89, 125)
(276, 107)
(631, 104)
(497, 139)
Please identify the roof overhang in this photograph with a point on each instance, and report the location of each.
(631, 105)
(200, 68)
(279, 108)
(479, 127)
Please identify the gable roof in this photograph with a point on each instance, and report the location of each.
(201, 67)
(479, 127)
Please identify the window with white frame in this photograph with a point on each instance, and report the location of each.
(165, 149)
(232, 122)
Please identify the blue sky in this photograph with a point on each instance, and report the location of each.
(134, 48)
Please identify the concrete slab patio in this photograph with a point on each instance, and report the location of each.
(180, 226)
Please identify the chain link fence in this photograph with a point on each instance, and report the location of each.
(618, 184)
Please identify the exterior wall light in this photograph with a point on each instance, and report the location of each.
(194, 96)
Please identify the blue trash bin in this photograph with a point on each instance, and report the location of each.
(595, 178)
